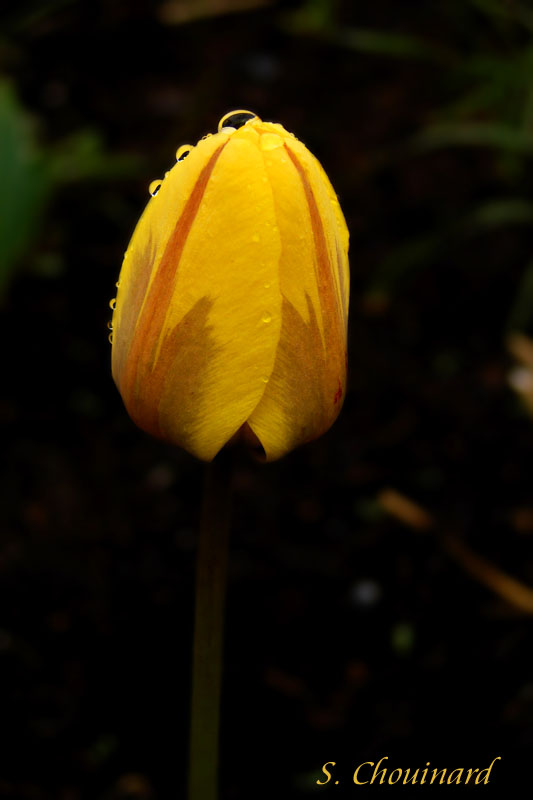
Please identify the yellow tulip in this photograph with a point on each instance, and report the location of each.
(231, 312)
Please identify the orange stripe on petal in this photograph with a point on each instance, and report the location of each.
(149, 328)
(332, 311)
(307, 385)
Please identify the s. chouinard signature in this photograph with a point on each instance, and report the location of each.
(370, 772)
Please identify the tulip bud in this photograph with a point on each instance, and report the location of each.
(231, 312)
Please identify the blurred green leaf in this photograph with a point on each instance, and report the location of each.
(313, 16)
(474, 134)
(82, 156)
(508, 11)
(25, 185)
(494, 85)
(179, 12)
(322, 17)
(30, 174)
(403, 638)
(27, 15)
(385, 43)
(496, 213)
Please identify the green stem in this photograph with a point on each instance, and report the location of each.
(211, 572)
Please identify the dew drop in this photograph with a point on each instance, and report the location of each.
(154, 187)
(271, 141)
(117, 284)
(236, 119)
(110, 337)
(267, 286)
(183, 151)
(267, 318)
(264, 378)
(110, 325)
(113, 303)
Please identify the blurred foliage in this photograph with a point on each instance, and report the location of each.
(25, 185)
(483, 101)
(31, 174)
(177, 12)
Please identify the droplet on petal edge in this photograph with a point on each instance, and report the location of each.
(155, 187)
(183, 151)
(110, 337)
(236, 119)
(113, 303)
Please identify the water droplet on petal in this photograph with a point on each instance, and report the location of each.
(110, 337)
(110, 325)
(271, 141)
(154, 187)
(113, 303)
(183, 151)
(117, 284)
(267, 318)
(264, 378)
(236, 119)
(267, 286)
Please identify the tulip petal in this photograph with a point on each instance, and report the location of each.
(328, 209)
(205, 355)
(307, 385)
(182, 189)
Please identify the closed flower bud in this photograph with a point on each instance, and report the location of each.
(231, 313)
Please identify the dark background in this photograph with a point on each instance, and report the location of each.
(350, 634)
